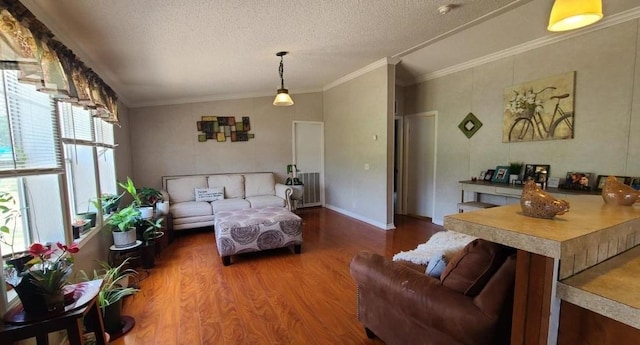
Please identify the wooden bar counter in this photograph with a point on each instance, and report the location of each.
(550, 250)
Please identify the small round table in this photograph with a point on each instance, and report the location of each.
(118, 254)
(19, 325)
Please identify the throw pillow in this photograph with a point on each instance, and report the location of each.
(436, 265)
(470, 271)
(209, 194)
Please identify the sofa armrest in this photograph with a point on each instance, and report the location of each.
(165, 195)
(284, 192)
(419, 296)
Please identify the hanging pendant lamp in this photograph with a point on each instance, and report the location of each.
(574, 14)
(282, 97)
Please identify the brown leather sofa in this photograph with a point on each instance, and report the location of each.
(470, 304)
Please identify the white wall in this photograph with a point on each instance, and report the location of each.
(164, 139)
(355, 112)
(607, 111)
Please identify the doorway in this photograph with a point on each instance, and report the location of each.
(420, 164)
(308, 156)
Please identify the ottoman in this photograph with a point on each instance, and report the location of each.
(256, 229)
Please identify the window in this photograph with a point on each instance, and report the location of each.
(46, 146)
(88, 151)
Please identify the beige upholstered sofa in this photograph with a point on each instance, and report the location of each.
(220, 192)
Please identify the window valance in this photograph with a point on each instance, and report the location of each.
(28, 46)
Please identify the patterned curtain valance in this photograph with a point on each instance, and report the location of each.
(28, 46)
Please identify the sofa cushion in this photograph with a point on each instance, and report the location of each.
(259, 184)
(191, 209)
(263, 201)
(209, 194)
(229, 204)
(182, 188)
(469, 272)
(233, 185)
(191, 220)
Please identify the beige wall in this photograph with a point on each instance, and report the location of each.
(607, 111)
(355, 112)
(164, 139)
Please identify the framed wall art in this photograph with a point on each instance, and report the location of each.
(539, 110)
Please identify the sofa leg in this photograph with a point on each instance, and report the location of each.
(297, 248)
(226, 260)
(370, 333)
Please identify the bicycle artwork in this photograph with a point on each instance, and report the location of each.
(539, 110)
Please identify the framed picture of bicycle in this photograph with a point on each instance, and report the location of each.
(539, 110)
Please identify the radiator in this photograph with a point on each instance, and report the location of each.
(311, 191)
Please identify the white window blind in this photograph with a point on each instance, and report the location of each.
(77, 124)
(104, 133)
(29, 139)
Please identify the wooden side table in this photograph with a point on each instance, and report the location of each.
(19, 325)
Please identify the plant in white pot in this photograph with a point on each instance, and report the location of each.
(123, 224)
(145, 210)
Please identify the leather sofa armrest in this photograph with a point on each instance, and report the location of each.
(284, 192)
(419, 296)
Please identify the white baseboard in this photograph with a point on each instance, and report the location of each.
(361, 218)
(437, 221)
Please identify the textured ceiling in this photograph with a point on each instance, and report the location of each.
(155, 52)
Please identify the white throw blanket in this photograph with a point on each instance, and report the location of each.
(448, 242)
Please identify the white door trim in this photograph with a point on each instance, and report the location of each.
(405, 154)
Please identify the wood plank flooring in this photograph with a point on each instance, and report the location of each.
(273, 297)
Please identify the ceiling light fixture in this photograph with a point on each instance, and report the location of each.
(282, 97)
(574, 14)
(444, 9)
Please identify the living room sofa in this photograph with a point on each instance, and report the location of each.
(469, 304)
(222, 192)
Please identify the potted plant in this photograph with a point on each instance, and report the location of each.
(123, 224)
(150, 232)
(114, 288)
(145, 210)
(149, 196)
(9, 216)
(297, 187)
(515, 168)
(108, 202)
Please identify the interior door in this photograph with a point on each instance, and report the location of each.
(420, 148)
(308, 156)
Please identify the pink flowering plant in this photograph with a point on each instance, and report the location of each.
(48, 270)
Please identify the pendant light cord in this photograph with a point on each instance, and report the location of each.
(281, 70)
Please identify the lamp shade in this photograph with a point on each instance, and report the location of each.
(283, 99)
(574, 14)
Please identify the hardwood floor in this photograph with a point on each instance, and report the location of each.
(273, 297)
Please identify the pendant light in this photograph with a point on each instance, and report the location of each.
(574, 14)
(282, 97)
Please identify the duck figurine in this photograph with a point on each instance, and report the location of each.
(615, 192)
(537, 203)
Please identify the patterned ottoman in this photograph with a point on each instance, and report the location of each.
(256, 229)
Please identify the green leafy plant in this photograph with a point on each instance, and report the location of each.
(111, 290)
(151, 231)
(149, 196)
(515, 167)
(130, 188)
(48, 273)
(124, 219)
(10, 215)
(107, 202)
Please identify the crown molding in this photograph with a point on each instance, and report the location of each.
(382, 62)
(533, 44)
(214, 98)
